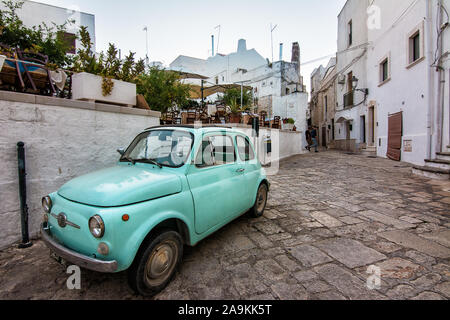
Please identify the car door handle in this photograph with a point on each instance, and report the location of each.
(240, 170)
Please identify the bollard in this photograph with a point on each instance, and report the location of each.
(26, 243)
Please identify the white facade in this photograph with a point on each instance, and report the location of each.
(35, 13)
(411, 87)
(352, 62)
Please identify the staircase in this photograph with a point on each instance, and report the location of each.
(438, 168)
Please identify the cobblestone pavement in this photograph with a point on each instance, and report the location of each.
(330, 216)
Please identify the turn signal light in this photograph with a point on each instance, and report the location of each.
(125, 217)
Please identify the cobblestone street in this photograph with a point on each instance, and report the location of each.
(330, 216)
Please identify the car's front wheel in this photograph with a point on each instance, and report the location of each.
(261, 201)
(157, 263)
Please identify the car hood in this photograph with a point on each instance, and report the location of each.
(121, 185)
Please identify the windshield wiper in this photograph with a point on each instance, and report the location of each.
(129, 159)
(151, 161)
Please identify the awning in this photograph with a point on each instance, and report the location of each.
(188, 75)
(196, 90)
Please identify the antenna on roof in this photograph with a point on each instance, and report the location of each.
(218, 37)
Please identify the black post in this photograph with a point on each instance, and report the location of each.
(26, 243)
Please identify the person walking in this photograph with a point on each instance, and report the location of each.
(308, 139)
(314, 139)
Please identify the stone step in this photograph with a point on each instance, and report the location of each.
(443, 156)
(432, 173)
(438, 163)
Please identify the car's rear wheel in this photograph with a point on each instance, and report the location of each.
(261, 201)
(156, 264)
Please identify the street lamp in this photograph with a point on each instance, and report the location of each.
(355, 82)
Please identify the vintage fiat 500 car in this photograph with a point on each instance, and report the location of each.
(173, 186)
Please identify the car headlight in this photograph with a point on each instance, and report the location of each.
(47, 204)
(96, 226)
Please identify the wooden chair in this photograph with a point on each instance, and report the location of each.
(37, 75)
(276, 123)
(262, 119)
(204, 118)
(10, 76)
(191, 117)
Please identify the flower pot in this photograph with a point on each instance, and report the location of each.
(88, 87)
(235, 118)
(288, 126)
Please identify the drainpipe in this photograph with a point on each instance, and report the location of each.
(430, 77)
(441, 89)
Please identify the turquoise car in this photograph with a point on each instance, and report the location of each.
(173, 186)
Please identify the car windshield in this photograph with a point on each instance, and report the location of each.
(169, 148)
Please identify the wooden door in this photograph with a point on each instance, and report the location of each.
(395, 133)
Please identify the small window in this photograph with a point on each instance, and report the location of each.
(415, 46)
(350, 33)
(326, 108)
(70, 40)
(217, 80)
(244, 148)
(384, 70)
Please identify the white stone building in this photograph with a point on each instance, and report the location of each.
(278, 87)
(35, 13)
(399, 107)
(351, 103)
(403, 77)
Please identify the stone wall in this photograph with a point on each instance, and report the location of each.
(63, 139)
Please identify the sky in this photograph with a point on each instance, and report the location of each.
(184, 27)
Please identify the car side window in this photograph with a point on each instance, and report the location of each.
(245, 150)
(216, 150)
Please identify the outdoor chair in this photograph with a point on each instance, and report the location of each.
(276, 124)
(37, 74)
(191, 117)
(10, 76)
(262, 119)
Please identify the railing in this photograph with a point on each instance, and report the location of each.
(349, 99)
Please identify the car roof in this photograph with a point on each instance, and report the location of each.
(194, 128)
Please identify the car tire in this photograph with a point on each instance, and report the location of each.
(261, 201)
(156, 263)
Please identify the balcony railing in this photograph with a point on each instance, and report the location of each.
(349, 99)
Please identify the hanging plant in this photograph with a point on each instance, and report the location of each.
(107, 86)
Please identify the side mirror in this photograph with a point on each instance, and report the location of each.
(121, 151)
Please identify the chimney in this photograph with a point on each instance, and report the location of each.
(212, 39)
(242, 45)
(281, 52)
(296, 55)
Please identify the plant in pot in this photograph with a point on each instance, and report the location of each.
(105, 78)
(232, 98)
(289, 124)
(236, 111)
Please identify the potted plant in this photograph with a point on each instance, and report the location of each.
(105, 78)
(232, 98)
(288, 124)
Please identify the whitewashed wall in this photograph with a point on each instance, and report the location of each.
(284, 143)
(356, 11)
(63, 139)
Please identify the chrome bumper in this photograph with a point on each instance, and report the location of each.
(75, 257)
